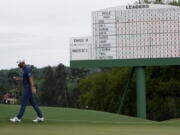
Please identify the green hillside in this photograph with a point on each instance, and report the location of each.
(63, 121)
(173, 122)
(53, 114)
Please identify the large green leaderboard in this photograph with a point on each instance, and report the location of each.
(135, 36)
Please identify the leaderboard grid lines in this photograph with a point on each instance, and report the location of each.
(137, 31)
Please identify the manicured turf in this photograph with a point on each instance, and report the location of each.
(61, 121)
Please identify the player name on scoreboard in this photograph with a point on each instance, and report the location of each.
(104, 35)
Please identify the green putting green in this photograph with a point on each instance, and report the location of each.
(63, 121)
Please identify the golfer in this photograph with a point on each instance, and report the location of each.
(28, 93)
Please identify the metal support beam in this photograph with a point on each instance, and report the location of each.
(141, 92)
(123, 96)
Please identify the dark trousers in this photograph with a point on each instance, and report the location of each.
(26, 99)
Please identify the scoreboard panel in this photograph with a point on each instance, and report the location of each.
(134, 32)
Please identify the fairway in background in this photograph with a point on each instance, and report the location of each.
(54, 114)
(64, 121)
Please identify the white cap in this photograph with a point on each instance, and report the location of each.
(20, 61)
